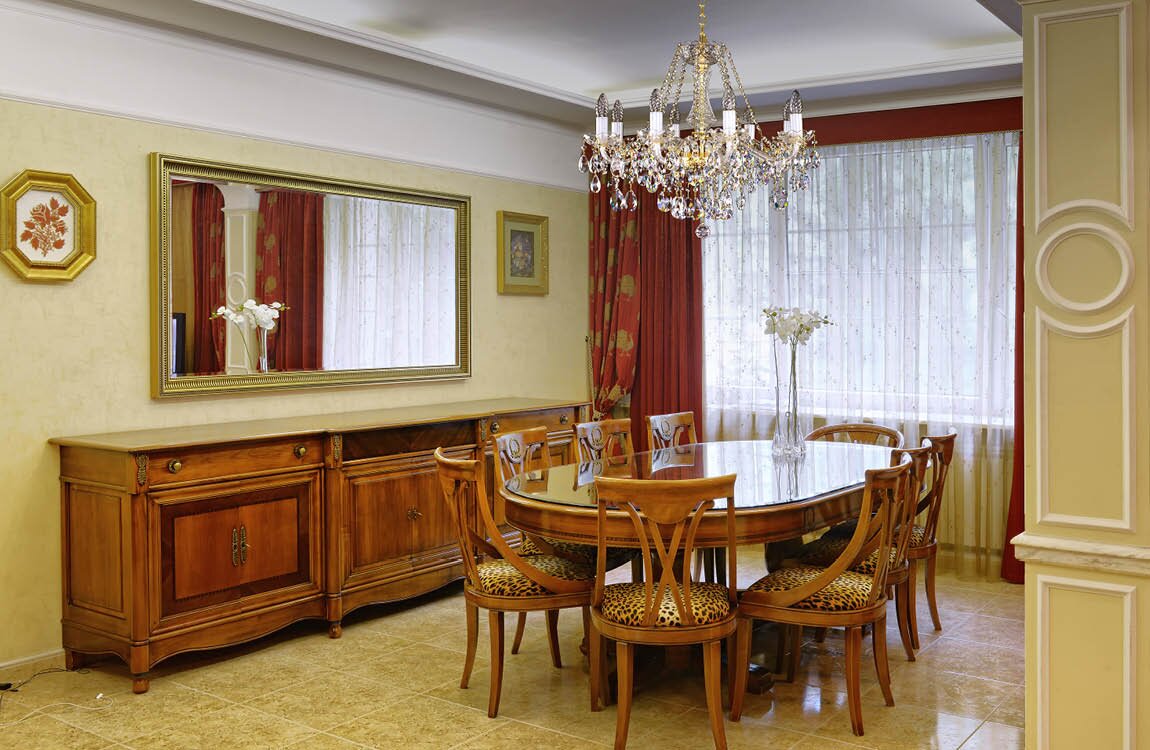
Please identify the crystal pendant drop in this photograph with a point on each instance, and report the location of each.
(583, 163)
(663, 204)
(596, 186)
(632, 201)
(702, 231)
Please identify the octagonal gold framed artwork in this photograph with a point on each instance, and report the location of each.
(47, 226)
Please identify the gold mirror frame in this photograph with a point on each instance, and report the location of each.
(164, 384)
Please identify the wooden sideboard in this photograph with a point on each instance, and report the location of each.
(196, 537)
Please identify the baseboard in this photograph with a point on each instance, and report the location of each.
(22, 669)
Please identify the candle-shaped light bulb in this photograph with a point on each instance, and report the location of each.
(793, 114)
(601, 116)
(617, 118)
(656, 115)
(748, 122)
(729, 115)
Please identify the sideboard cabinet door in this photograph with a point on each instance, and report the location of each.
(245, 543)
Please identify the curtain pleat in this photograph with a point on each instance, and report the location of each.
(208, 269)
(290, 269)
(669, 375)
(615, 301)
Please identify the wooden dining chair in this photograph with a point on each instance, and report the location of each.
(519, 453)
(606, 438)
(668, 608)
(826, 549)
(668, 430)
(505, 581)
(858, 432)
(923, 539)
(836, 596)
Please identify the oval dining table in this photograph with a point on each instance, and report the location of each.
(775, 499)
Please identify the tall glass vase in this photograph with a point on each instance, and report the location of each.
(262, 341)
(789, 429)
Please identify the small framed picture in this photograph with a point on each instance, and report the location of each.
(47, 226)
(522, 253)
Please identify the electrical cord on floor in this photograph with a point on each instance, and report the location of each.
(105, 702)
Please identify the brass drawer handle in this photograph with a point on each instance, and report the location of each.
(300, 451)
(244, 546)
(494, 427)
(235, 548)
(175, 465)
(563, 419)
(413, 514)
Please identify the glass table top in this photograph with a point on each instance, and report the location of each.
(827, 468)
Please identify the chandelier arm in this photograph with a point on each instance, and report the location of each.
(742, 91)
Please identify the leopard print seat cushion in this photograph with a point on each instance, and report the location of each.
(849, 591)
(584, 553)
(625, 603)
(918, 537)
(823, 552)
(500, 578)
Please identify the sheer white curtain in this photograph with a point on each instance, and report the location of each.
(389, 284)
(909, 247)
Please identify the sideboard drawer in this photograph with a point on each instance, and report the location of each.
(555, 420)
(239, 459)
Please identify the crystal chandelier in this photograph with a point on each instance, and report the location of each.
(708, 173)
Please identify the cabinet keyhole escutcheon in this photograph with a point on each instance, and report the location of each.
(413, 514)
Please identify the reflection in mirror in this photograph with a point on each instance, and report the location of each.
(367, 283)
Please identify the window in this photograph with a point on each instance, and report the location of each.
(909, 247)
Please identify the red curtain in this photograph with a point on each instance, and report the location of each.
(669, 372)
(208, 269)
(289, 269)
(1012, 568)
(614, 269)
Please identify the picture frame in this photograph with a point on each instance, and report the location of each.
(47, 226)
(522, 249)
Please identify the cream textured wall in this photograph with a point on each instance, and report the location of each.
(74, 357)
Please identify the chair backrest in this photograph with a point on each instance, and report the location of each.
(885, 497)
(603, 439)
(941, 454)
(519, 452)
(469, 510)
(667, 430)
(903, 518)
(858, 432)
(665, 515)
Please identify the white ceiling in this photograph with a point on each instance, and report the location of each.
(552, 57)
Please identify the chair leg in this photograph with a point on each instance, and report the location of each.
(495, 620)
(553, 637)
(472, 642)
(854, 698)
(739, 664)
(820, 635)
(624, 668)
(881, 665)
(912, 603)
(901, 598)
(720, 563)
(598, 669)
(520, 626)
(795, 637)
(636, 570)
(712, 680)
(931, 563)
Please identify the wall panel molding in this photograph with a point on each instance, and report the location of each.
(1082, 554)
(1120, 210)
(1107, 235)
(1045, 327)
(1046, 585)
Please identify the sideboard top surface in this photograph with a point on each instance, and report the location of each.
(136, 441)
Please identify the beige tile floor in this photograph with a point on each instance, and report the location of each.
(392, 681)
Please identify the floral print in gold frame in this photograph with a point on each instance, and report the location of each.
(47, 226)
(522, 253)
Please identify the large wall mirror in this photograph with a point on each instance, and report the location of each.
(344, 282)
